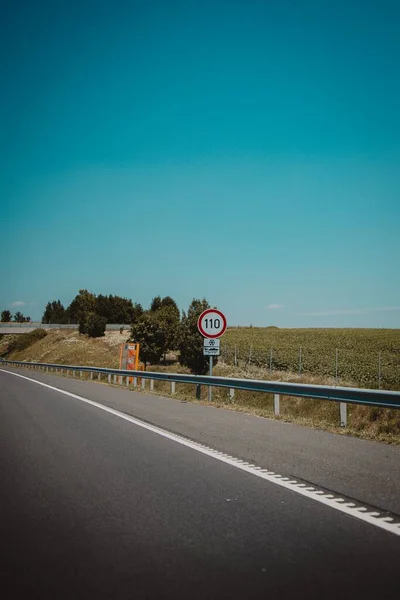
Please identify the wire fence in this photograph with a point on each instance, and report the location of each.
(374, 370)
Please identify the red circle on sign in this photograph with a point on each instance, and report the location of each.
(203, 315)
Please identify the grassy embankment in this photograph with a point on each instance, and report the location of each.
(357, 352)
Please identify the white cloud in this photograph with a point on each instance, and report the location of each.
(18, 303)
(274, 306)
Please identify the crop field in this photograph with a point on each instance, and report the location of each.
(364, 357)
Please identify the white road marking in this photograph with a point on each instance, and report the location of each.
(358, 512)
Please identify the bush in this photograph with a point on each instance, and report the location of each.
(24, 340)
(93, 325)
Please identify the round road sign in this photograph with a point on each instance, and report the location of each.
(212, 323)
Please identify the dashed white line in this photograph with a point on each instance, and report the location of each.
(349, 508)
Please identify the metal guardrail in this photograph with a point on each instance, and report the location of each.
(343, 395)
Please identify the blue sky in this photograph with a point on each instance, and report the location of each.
(245, 151)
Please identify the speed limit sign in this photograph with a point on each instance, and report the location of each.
(212, 323)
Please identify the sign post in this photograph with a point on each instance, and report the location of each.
(210, 374)
(212, 325)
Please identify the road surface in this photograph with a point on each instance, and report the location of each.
(97, 506)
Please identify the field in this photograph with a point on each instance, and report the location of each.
(363, 357)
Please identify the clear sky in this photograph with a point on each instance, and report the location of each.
(246, 151)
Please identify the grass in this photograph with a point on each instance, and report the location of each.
(68, 348)
(65, 347)
(379, 424)
(21, 342)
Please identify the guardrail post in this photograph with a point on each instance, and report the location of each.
(231, 393)
(99, 377)
(151, 384)
(277, 404)
(198, 391)
(120, 380)
(135, 382)
(91, 374)
(109, 378)
(172, 387)
(115, 379)
(127, 381)
(143, 383)
(343, 414)
(80, 374)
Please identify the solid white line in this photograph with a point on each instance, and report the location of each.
(358, 512)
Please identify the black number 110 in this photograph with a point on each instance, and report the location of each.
(212, 323)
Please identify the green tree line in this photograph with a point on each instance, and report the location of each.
(114, 309)
(7, 317)
(159, 329)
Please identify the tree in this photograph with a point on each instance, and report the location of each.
(191, 340)
(55, 313)
(81, 306)
(169, 319)
(19, 317)
(166, 312)
(83, 324)
(136, 312)
(168, 302)
(6, 316)
(147, 332)
(116, 309)
(155, 304)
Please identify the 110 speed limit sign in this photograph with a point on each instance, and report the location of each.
(212, 323)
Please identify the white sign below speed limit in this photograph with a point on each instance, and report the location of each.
(212, 323)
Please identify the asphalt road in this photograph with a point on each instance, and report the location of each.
(93, 506)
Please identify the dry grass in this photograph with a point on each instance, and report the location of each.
(380, 424)
(71, 348)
